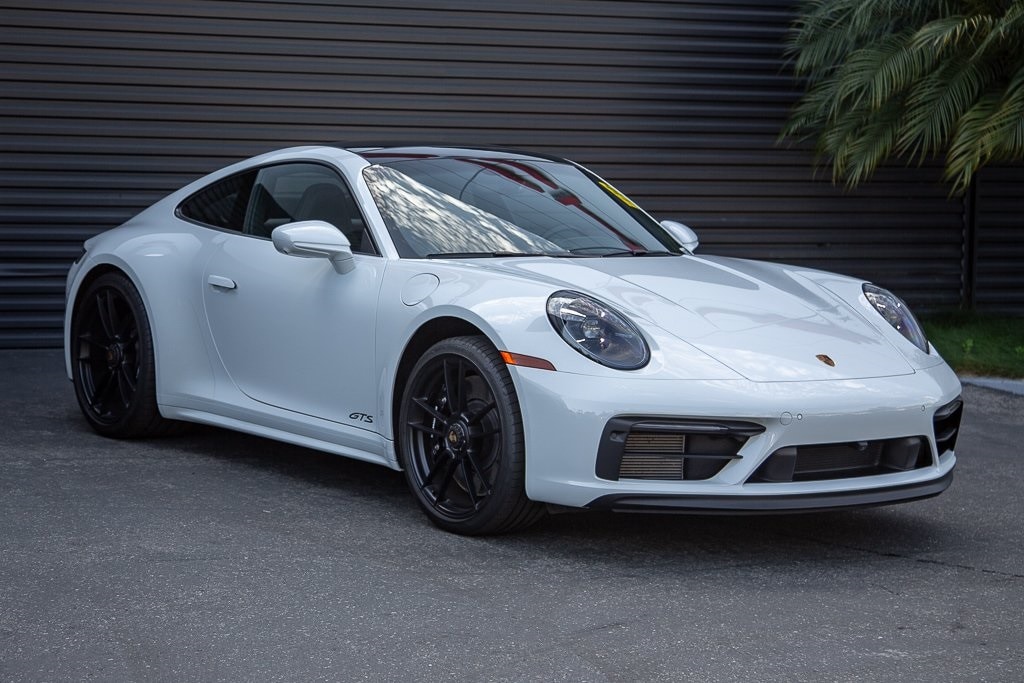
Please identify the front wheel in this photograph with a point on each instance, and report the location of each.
(461, 440)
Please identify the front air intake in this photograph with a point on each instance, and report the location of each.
(670, 450)
(818, 462)
(947, 425)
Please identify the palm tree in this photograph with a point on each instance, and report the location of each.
(910, 79)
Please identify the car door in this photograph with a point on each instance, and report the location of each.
(291, 332)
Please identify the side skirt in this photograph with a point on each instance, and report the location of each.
(322, 437)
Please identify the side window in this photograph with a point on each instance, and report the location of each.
(305, 192)
(221, 205)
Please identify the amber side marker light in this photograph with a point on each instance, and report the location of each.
(526, 361)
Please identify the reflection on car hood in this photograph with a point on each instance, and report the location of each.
(765, 321)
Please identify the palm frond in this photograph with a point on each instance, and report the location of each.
(950, 33)
(965, 150)
(903, 66)
(937, 102)
(909, 79)
(990, 130)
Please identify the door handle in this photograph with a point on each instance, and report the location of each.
(221, 281)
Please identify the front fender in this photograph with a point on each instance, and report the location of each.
(511, 311)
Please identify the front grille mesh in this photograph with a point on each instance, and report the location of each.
(656, 443)
(653, 456)
(651, 467)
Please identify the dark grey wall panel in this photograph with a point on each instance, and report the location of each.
(106, 106)
(999, 241)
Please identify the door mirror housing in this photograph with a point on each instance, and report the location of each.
(315, 239)
(683, 234)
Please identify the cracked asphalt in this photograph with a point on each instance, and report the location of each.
(214, 556)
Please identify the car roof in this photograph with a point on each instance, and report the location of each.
(372, 152)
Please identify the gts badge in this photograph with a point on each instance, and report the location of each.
(361, 417)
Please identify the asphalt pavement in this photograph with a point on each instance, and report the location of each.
(214, 556)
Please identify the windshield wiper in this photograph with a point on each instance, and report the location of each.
(612, 251)
(502, 254)
(639, 252)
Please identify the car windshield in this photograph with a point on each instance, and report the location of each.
(466, 206)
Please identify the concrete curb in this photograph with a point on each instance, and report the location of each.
(1012, 386)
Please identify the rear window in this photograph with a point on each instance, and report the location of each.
(222, 204)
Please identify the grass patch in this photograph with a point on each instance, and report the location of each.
(977, 344)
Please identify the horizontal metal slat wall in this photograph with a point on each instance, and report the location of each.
(105, 107)
(999, 240)
(764, 200)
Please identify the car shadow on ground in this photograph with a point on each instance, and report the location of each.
(597, 536)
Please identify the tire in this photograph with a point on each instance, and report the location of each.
(461, 440)
(112, 362)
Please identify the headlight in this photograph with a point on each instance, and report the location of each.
(596, 331)
(897, 313)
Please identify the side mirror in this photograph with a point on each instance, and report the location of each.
(315, 239)
(682, 234)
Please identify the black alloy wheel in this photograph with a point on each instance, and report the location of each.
(112, 359)
(462, 440)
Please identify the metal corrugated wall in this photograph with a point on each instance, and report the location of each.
(999, 241)
(106, 106)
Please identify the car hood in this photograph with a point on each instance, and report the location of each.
(765, 321)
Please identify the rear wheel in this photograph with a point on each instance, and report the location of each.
(112, 362)
(461, 440)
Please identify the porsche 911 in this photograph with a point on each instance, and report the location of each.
(513, 333)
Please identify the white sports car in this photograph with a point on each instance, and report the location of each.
(511, 331)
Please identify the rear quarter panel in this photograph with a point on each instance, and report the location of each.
(163, 257)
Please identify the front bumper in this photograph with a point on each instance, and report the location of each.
(774, 503)
(565, 417)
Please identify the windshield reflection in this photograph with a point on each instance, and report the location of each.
(464, 205)
(427, 221)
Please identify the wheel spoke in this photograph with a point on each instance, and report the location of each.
(470, 486)
(434, 412)
(87, 338)
(453, 378)
(127, 329)
(124, 391)
(443, 486)
(426, 429)
(471, 459)
(126, 383)
(439, 464)
(105, 386)
(107, 313)
(131, 373)
(478, 415)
